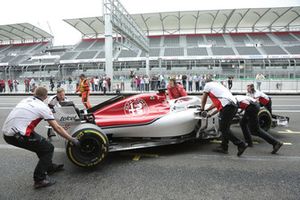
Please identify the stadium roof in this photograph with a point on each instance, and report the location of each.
(202, 21)
(23, 32)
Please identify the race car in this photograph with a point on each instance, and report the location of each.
(138, 121)
(133, 122)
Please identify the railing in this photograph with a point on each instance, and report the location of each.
(268, 85)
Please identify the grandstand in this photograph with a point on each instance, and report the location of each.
(239, 42)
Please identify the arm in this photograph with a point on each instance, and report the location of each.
(60, 130)
(203, 100)
(182, 92)
(213, 113)
(212, 106)
(170, 93)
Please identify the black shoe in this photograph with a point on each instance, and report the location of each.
(55, 168)
(44, 183)
(250, 144)
(276, 147)
(220, 150)
(241, 148)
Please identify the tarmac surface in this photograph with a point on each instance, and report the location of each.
(185, 171)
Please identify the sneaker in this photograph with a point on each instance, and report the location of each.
(55, 168)
(276, 147)
(241, 148)
(220, 150)
(44, 183)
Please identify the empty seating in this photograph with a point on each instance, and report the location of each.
(220, 51)
(154, 42)
(171, 41)
(84, 44)
(101, 55)
(194, 40)
(261, 38)
(247, 51)
(7, 59)
(240, 39)
(99, 44)
(215, 40)
(68, 55)
(286, 37)
(293, 49)
(273, 50)
(127, 53)
(174, 52)
(196, 51)
(87, 55)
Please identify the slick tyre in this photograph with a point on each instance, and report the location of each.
(93, 146)
(264, 119)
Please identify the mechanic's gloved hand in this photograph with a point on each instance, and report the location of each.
(75, 142)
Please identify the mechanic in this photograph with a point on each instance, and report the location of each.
(226, 104)
(261, 97)
(175, 90)
(56, 99)
(84, 91)
(249, 123)
(18, 130)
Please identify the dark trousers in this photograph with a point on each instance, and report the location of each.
(38, 144)
(268, 106)
(249, 125)
(225, 117)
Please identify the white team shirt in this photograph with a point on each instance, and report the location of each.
(244, 101)
(219, 95)
(262, 97)
(53, 101)
(26, 116)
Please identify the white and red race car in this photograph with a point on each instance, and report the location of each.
(132, 122)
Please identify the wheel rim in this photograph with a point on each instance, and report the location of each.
(92, 150)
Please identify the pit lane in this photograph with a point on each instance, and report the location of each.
(186, 171)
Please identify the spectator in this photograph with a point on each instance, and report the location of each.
(190, 83)
(108, 80)
(122, 83)
(146, 83)
(259, 78)
(96, 82)
(10, 85)
(32, 83)
(16, 83)
(229, 81)
(197, 82)
(92, 83)
(26, 83)
(104, 86)
(184, 77)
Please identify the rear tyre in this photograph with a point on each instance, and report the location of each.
(93, 146)
(264, 119)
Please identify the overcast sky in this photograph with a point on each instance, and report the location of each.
(48, 15)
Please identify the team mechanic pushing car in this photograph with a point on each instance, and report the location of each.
(249, 123)
(226, 104)
(18, 130)
(261, 97)
(84, 90)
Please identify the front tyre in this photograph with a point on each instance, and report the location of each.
(93, 146)
(264, 119)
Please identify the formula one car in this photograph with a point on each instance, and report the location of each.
(137, 121)
(132, 122)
